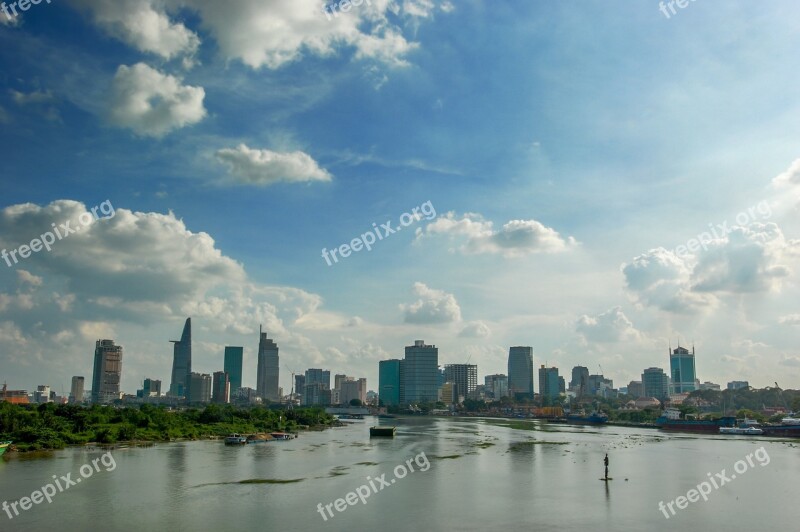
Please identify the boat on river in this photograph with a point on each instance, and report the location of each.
(4, 445)
(388, 432)
(235, 439)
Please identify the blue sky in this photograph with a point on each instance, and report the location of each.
(567, 148)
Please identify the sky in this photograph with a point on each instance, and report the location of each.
(597, 180)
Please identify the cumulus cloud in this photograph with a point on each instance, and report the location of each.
(432, 306)
(142, 24)
(475, 329)
(515, 238)
(140, 267)
(264, 167)
(274, 34)
(153, 104)
(610, 326)
(747, 260)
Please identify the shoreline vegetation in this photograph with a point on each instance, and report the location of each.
(50, 426)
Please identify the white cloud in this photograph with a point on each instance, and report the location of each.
(264, 167)
(747, 260)
(790, 177)
(791, 319)
(9, 21)
(432, 306)
(515, 238)
(273, 34)
(142, 24)
(21, 98)
(153, 104)
(610, 326)
(475, 329)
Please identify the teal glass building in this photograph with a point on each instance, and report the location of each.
(233, 366)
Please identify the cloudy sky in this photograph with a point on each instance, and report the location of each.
(602, 181)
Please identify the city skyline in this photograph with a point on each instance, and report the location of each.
(594, 216)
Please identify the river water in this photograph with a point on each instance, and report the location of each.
(468, 474)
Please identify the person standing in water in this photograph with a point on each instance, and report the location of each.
(605, 461)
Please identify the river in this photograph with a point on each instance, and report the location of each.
(468, 474)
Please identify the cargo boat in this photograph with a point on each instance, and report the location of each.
(388, 432)
(782, 431)
(595, 418)
(670, 420)
(4, 445)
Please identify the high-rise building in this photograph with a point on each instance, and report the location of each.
(151, 388)
(738, 385)
(338, 379)
(520, 372)
(353, 389)
(199, 390)
(299, 384)
(710, 386)
(562, 385)
(107, 371)
(221, 387)
(655, 383)
(420, 383)
(268, 369)
(42, 394)
(635, 389)
(76, 391)
(580, 378)
(448, 393)
(316, 393)
(389, 382)
(548, 384)
(321, 376)
(682, 370)
(464, 376)
(496, 385)
(181, 361)
(233, 366)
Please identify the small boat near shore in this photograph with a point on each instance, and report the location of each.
(4, 445)
(387, 432)
(741, 431)
(235, 439)
(282, 436)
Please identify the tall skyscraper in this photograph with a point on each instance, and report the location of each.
(221, 387)
(76, 391)
(465, 378)
(682, 371)
(318, 376)
(420, 382)
(655, 383)
(353, 389)
(580, 377)
(520, 372)
(299, 385)
(107, 371)
(181, 361)
(233, 366)
(549, 386)
(496, 385)
(268, 369)
(199, 389)
(389, 382)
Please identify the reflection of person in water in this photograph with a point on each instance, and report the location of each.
(605, 461)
